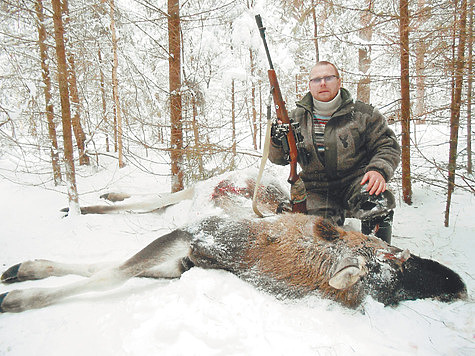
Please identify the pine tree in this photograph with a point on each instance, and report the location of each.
(405, 101)
(65, 108)
(455, 105)
(174, 62)
(45, 72)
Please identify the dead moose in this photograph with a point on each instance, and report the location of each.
(288, 255)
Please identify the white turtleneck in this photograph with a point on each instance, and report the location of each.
(327, 108)
(322, 112)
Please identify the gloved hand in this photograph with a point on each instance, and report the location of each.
(279, 132)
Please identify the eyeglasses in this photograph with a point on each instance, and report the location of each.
(326, 79)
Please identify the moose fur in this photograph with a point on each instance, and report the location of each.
(288, 255)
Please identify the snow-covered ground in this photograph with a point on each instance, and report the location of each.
(209, 312)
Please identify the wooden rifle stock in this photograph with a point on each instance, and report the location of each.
(283, 116)
(298, 193)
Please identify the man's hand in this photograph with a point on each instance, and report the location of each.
(278, 132)
(376, 182)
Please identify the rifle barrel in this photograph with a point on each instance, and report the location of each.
(262, 30)
(297, 191)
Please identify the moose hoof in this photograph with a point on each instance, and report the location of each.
(2, 297)
(10, 276)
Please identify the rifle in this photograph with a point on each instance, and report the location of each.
(298, 194)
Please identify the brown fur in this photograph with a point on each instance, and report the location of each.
(299, 250)
(289, 255)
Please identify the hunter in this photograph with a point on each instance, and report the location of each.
(351, 154)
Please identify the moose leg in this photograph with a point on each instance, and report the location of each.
(173, 247)
(145, 205)
(39, 269)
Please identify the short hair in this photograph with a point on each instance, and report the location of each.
(326, 63)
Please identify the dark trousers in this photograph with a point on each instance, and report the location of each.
(352, 201)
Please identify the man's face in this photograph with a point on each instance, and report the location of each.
(324, 90)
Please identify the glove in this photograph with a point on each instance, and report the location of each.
(279, 133)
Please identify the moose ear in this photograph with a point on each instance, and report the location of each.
(349, 270)
(326, 230)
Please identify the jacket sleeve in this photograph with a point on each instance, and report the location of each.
(277, 155)
(383, 148)
(276, 152)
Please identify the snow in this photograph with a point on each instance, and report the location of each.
(212, 312)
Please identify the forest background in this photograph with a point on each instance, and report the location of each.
(184, 85)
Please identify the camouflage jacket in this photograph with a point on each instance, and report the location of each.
(357, 139)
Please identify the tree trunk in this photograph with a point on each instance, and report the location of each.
(65, 108)
(115, 88)
(469, 88)
(196, 134)
(405, 102)
(253, 101)
(174, 68)
(315, 32)
(421, 49)
(233, 121)
(455, 106)
(260, 115)
(104, 101)
(47, 92)
(364, 55)
(73, 91)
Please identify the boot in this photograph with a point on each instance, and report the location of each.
(384, 231)
(380, 226)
